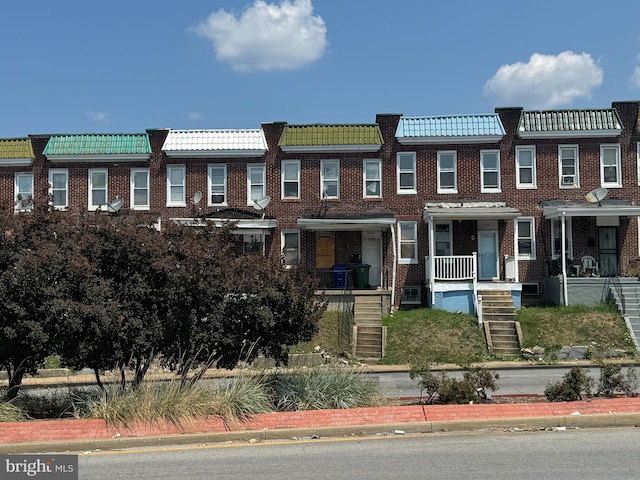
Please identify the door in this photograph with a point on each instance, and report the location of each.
(608, 250)
(372, 255)
(487, 255)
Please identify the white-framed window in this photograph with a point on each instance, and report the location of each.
(406, 173)
(98, 188)
(556, 238)
(610, 171)
(408, 244)
(372, 181)
(140, 197)
(59, 187)
(526, 167)
(447, 172)
(256, 185)
(291, 179)
(290, 241)
(443, 239)
(176, 186)
(217, 185)
(490, 171)
(638, 162)
(568, 166)
(525, 238)
(329, 179)
(23, 191)
(410, 295)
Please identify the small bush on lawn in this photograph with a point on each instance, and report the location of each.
(472, 388)
(10, 413)
(613, 381)
(322, 388)
(574, 384)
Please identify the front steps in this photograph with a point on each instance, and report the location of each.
(368, 332)
(627, 298)
(502, 331)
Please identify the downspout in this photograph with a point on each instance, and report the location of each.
(432, 261)
(563, 256)
(395, 267)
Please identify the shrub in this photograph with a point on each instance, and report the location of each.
(574, 384)
(472, 388)
(10, 413)
(613, 381)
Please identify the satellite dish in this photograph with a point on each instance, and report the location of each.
(196, 197)
(261, 203)
(596, 195)
(115, 205)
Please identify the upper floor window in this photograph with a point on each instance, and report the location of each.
(447, 177)
(525, 238)
(330, 179)
(638, 162)
(372, 170)
(176, 188)
(256, 185)
(526, 167)
(98, 189)
(568, 166)
(610, 174)
(140, 198)
(490, 171)
(291, 179)
(408, 244)
(406, 172)
(23, 191)
(217, 184)
(290, 241)
(59, 187)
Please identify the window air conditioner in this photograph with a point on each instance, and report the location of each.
(568, 179)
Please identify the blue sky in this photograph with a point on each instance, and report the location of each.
(82, 66)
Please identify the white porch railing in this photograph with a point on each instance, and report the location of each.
(453, 268)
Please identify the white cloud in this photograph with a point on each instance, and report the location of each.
(100, 117)
(635, 77)
(266, 36)
(547, 81)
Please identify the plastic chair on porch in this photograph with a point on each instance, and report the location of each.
(589, 264)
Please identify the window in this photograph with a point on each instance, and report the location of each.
(490, 171)
(98, 189)
(568, 166)
(610, 174)
(176, 177)
(525, 167)
(23, 189)
(329, 179)
(291, 179)
(638, 163)
(556, 238)
(447, 182)
(59, 187)
(217, 184)
(410, 296)
(406, 173)
(372, 170)
(140, 189)
(290, 241)
(525, 238)
(256, 186)
(408, 234)
(442, 239)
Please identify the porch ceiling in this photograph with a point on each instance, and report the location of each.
(607, 208)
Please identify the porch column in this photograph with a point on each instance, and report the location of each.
(432, 260)
(563, 256)
(395, 265)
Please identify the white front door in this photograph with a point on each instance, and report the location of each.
(372, 255)
(487, 255)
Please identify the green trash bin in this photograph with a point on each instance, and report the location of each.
(362, 275)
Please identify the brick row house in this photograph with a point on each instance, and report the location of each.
(423, 210)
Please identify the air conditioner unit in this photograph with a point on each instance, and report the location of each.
(568, 179)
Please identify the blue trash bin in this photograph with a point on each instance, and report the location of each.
(339, 275)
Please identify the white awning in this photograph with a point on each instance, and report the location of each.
(346, 224)
(468, 210)
(590, 210)
(249, 226)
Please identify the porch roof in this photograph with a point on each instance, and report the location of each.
(607, 208)
(469, 210)
(243, 221)
(347, 221)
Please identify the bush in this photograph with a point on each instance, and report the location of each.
(613, 381)
(10, 413)
(471, 389)
(574, 384)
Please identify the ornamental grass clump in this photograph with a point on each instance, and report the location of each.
(10, 413)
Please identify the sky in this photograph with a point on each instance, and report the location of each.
(124, 66)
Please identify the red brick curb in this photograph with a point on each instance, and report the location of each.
(71, 429)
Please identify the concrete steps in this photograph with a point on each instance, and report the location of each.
(369, 333)
(627, 298)
(499, 321)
